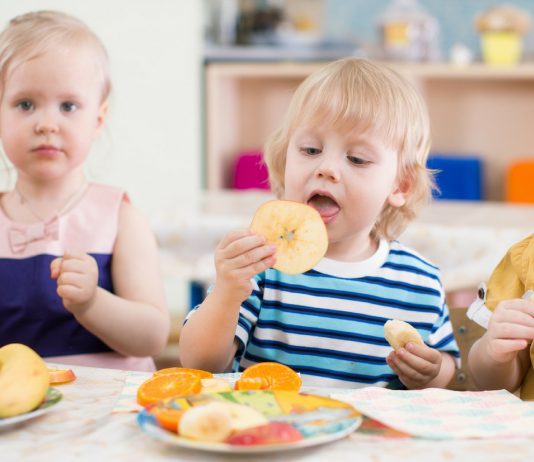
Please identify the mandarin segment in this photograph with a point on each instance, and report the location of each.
(276, 375)
(297, 230)
(165, 386)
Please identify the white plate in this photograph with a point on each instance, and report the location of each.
(334, 425)
(53, 396)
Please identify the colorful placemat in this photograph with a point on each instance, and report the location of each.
(442, 414)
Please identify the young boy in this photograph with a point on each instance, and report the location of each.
(353, 145)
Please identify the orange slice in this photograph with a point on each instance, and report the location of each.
(167, 418)
(59, 376)
(273, 376)
(174, 370)
(167, 386)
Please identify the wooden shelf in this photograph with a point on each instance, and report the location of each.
(475, 109)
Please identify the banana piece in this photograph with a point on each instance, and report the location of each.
(242, 416)
(206, 423)
(399, 333)
(24, 380)
(214, 385)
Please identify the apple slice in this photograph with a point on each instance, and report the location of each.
(399, 333)
(58, 376)
(270, 433)
(297, 230)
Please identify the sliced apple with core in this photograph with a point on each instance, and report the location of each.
(58, 376)
(296, 229)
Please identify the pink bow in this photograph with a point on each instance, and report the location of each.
(20, 236)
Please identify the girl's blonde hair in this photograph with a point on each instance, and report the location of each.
(355, 92)
(32, 34)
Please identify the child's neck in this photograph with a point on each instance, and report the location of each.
(29, 203)
(355, 249)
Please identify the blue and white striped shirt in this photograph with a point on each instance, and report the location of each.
(328, 323)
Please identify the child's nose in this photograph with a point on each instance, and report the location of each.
(46, 124)
(328, 169)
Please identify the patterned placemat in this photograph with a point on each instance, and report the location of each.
(441, 414)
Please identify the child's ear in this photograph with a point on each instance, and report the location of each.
(102, 114)
(400, 193)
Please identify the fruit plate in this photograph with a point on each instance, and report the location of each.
(53, 396)
(318, 418)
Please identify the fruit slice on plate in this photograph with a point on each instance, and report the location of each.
(214, 385)
(166, 386)
(270, 433)
(297, 230)
(216, 421)
(59, 376)
(269, 376)
(168, 418)
(174, 370)
(399, 333)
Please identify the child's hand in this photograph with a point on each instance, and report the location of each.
(239, 256)
(510, 329)
(416, 365)
(77, 280)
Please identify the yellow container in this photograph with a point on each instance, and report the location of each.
(501, 48)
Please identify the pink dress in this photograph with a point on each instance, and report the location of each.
(30, 309)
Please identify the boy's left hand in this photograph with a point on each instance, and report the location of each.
(416, 365)
(77, 280)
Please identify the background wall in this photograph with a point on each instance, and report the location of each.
(152, 145)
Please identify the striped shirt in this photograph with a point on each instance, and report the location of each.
(328, 323)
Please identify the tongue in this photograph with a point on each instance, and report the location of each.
(324, 205)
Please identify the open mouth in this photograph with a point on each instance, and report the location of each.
(327, 207)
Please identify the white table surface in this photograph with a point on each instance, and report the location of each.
(82, 428)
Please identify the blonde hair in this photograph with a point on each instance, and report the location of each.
(352, 92)
(32, 34)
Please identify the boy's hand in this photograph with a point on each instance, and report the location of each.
(239, 256)
(510, 329)
(77, 280)
(416, 365)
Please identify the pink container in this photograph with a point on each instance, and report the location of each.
(250, 172)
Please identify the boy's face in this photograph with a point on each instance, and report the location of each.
(51, 111)
(349, 176)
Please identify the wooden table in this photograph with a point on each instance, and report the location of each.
(81, 427)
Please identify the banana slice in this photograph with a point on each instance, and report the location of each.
(214, 385)
(208, 422)
(399, 333)
(242, 416)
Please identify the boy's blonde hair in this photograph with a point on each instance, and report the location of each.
(355, 92)
(32, 34)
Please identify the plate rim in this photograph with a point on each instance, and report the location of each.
(52, 398)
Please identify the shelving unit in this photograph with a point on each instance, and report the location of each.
(473, 110)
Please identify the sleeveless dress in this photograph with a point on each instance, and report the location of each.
(31, 312)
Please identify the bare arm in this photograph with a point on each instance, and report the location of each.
(500, 358)
(134, 321)
(207, 339)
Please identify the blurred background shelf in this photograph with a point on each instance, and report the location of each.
(475, 109)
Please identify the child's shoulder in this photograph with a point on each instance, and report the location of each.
(401, 253)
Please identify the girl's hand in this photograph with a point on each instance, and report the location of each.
(416, 365)
(510, 330)
(240, 256)
(77, 280)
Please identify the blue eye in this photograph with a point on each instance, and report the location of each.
(68, 106)
(25, 105)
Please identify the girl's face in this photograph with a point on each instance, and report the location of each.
(50, 112)
(348, 176)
